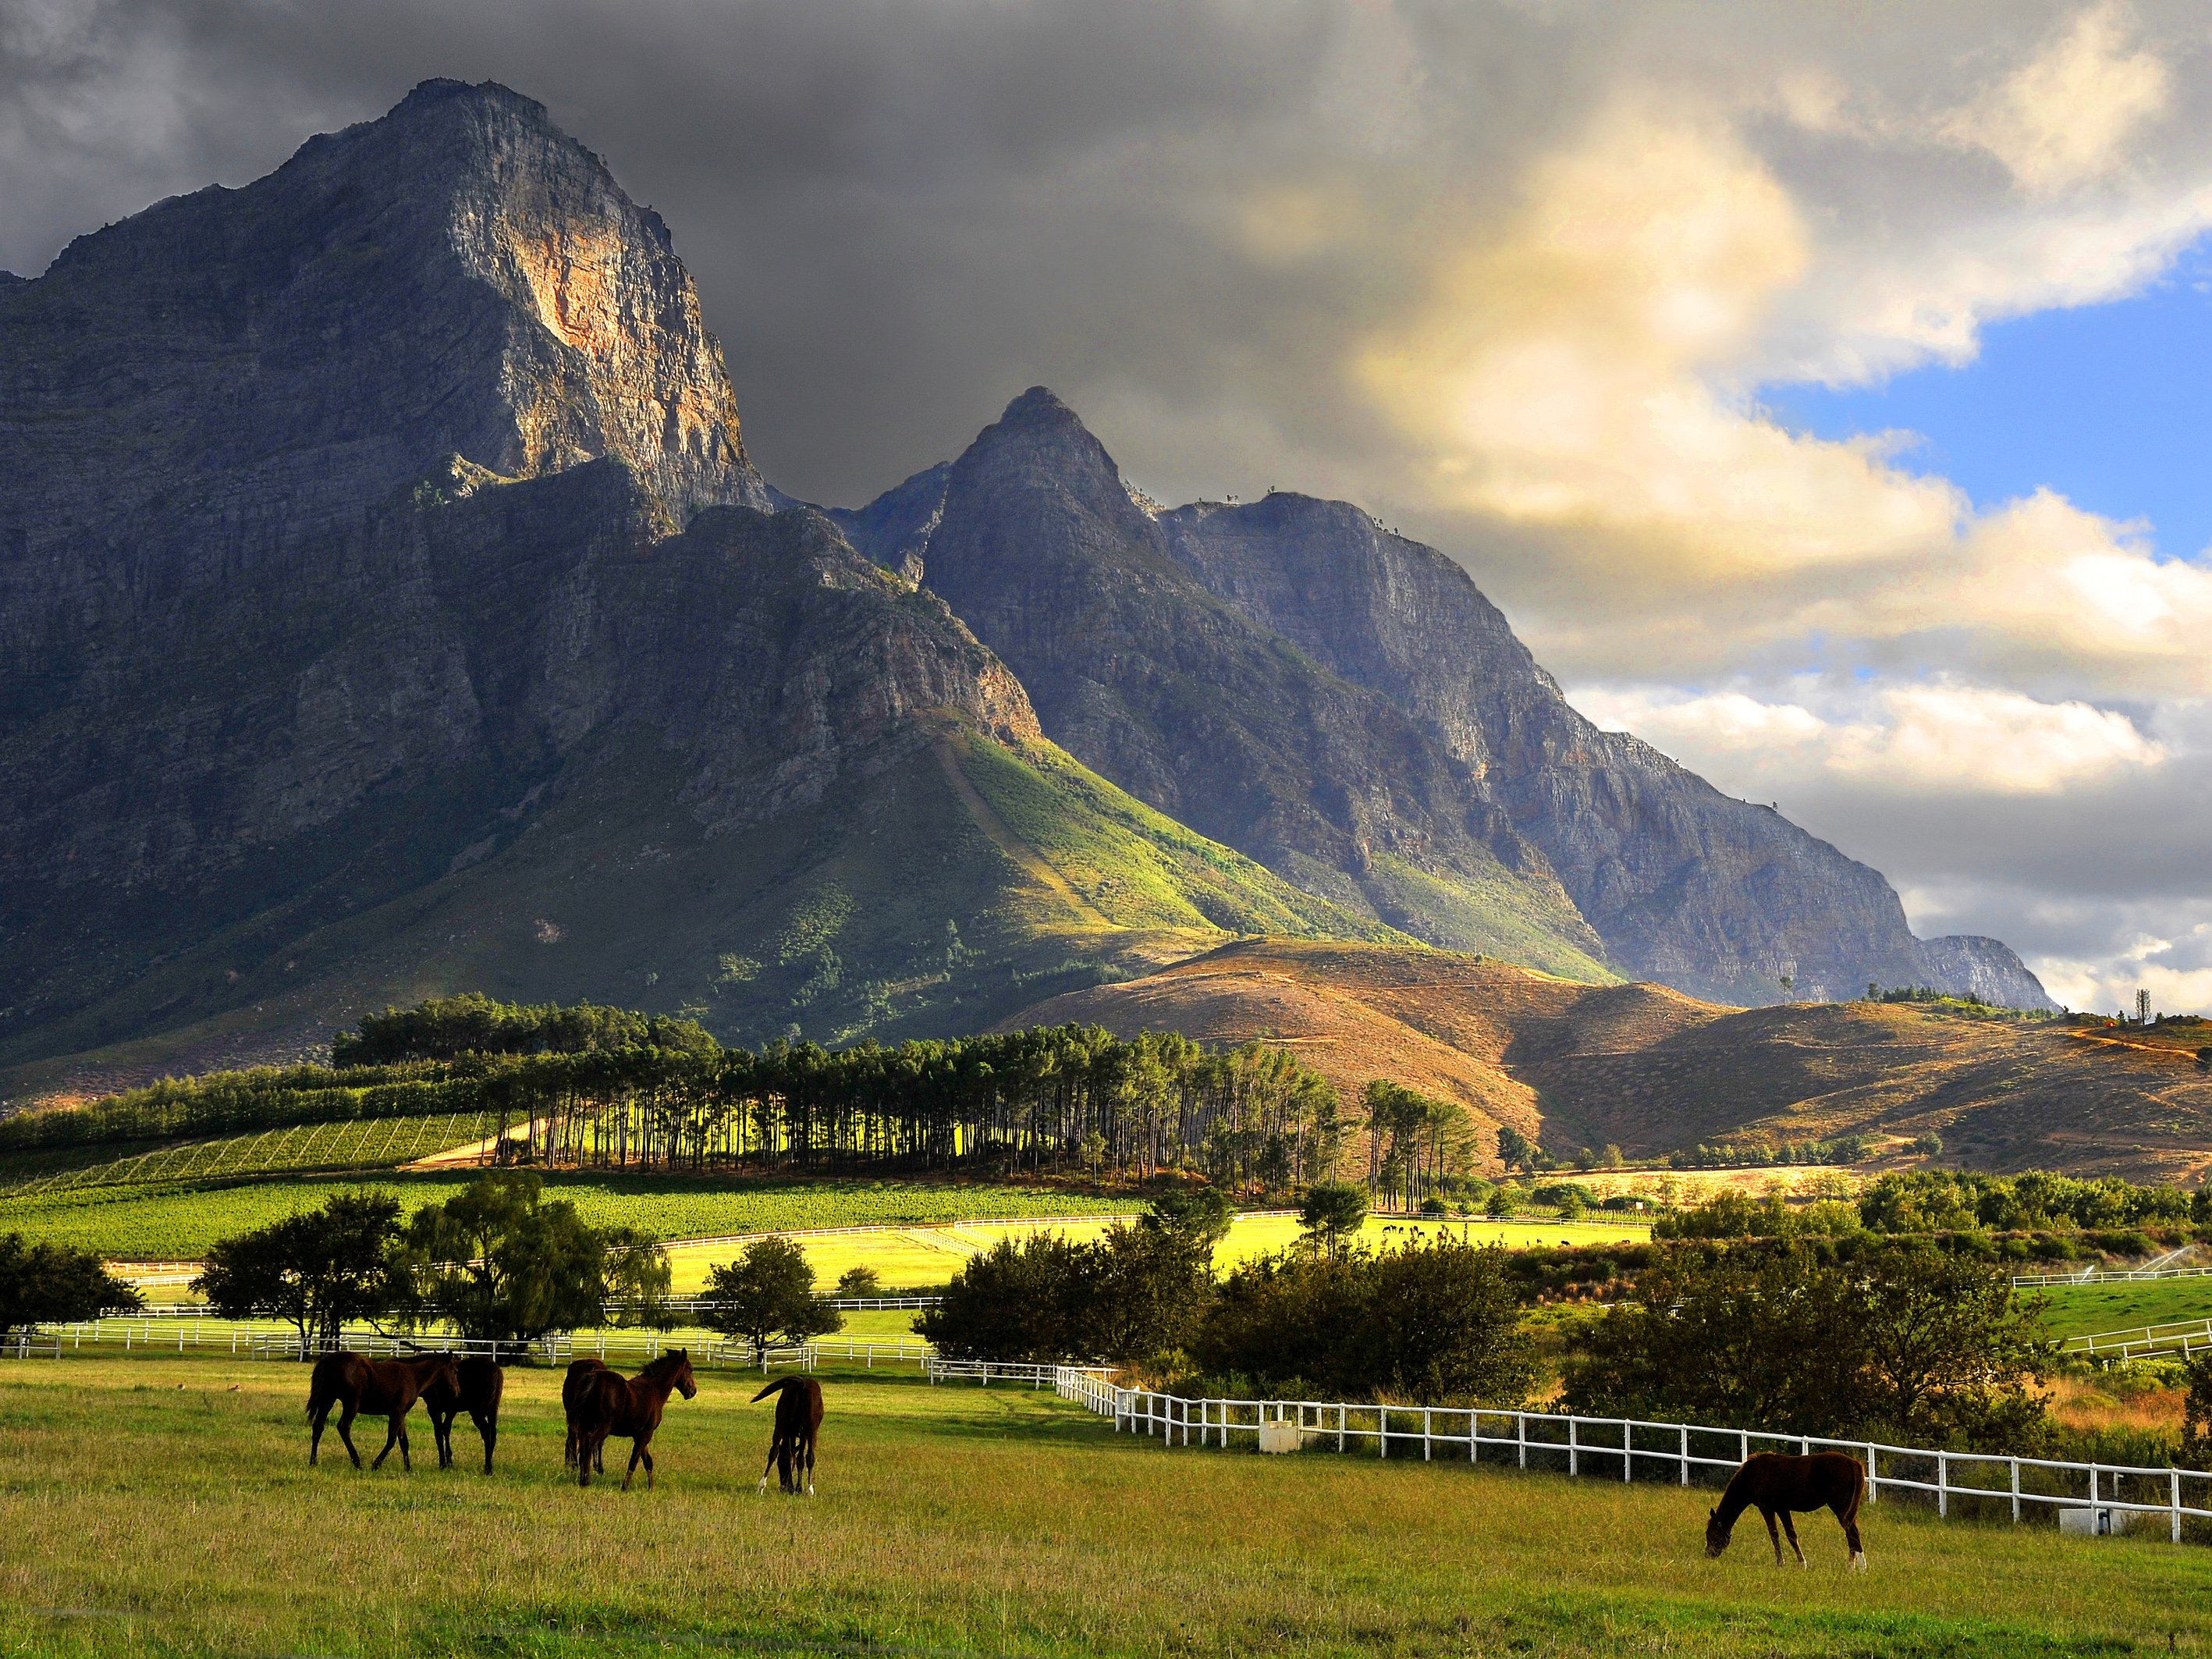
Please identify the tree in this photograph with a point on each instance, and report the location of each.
(320, 1269)
(860, 1281)
(1515, 1150)
(1332, 1214)
(767, 1291)
(1427, 1322)
(2197, 1412)
(1909, 1343)
(1017, 1300)
(501, 1263)
(54, 1284)
(1201, 1210)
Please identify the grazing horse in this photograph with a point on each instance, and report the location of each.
(613, 1404)
(574, 1388)
(798, 1422)
(476, 1387)
(382, 1388)
(1774, 1484)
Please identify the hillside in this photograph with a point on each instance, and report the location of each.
(1653, 1071)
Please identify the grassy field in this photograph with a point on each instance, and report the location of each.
(165, 1507)
(916, 1256)
(140, 1224)
(2080, 1309)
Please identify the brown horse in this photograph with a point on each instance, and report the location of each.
(798, 1422)
(1775, 1485)
(382, 1388)
(611, 1404)
(475, 1387)
(574, 1388)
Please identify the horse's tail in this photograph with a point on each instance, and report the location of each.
(776, 1387)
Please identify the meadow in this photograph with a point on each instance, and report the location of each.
(157, 1223)
(2080, 1309)
(165, 1507)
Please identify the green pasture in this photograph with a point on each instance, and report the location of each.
(165, 1507)
(379, 1143)
(178, 1223)
(912, 1257)
(2083, 1309)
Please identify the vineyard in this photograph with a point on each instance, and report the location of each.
(156, 1222)
(370, 1144)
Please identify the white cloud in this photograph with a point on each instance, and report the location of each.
(2069, 115)
(1938, 738)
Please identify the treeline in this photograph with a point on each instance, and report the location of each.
(603, 1088)
(1760, 1153)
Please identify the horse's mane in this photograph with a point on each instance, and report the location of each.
(667, 1364)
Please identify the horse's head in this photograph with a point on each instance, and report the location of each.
(684, 1374)
(1717, 1535)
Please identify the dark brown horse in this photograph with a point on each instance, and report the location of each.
(1775, 1485)
(382, 1388)
(611, 1404)
(476, 1387)
(574, 1388)
(798, 1422)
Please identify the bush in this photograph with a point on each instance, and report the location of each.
(1909, 1342)
(1427, 1322)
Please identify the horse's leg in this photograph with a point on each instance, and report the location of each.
(1848, 1515)
(1790, 1527)
(636, 1452)
(809, 1462)
(317, 1418)
(1767, 1516)
(390, 1439)
(405, 1462)
(346, 1415)
(587, 1443)
(645, 1449)
(772, 1445)
(489, 1428)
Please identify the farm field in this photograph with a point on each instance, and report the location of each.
(917, 1256)
(360, 1144)
(169, 1224)
(2082, 1309)
(954, 1520)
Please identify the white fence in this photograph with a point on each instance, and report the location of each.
(1966, 1483)
(2182, 1337)
(988, 1371)
(2099, 1276)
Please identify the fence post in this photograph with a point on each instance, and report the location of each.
(2016, 1492)
(1874, 1480)
(1627, 1452)
(1943, 1483)
(1520, 1425)
(1474, 1437)
(1686, 1454)
(1428, 1426)
(1382, 1430)
(2175, 1502)
(1574, 1446)
(1339, 1428)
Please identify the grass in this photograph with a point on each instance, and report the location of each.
(165, 1507)
(180, 1224)
(915, 1257)
(2082, 1309)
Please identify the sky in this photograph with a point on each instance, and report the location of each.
(1819, 388)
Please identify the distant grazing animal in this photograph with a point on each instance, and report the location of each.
(573, 1389)
(609, 1404)
(382, 1388)
(476, 1387)
(798, 1422)
(1775, 1485)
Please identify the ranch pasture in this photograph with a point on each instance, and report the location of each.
(165, 1506)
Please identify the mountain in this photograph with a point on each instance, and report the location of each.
(1574, 1065)
(1344, 706)
(1149, 678)
(390, 608)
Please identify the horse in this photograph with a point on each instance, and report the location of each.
(572, 1390)
(385, 1388)
(476, 1387)
(798, 1422)
(613, 1404)
(1775, 1484)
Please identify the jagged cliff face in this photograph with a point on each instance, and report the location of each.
(1680, 883)
(1143, 674)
